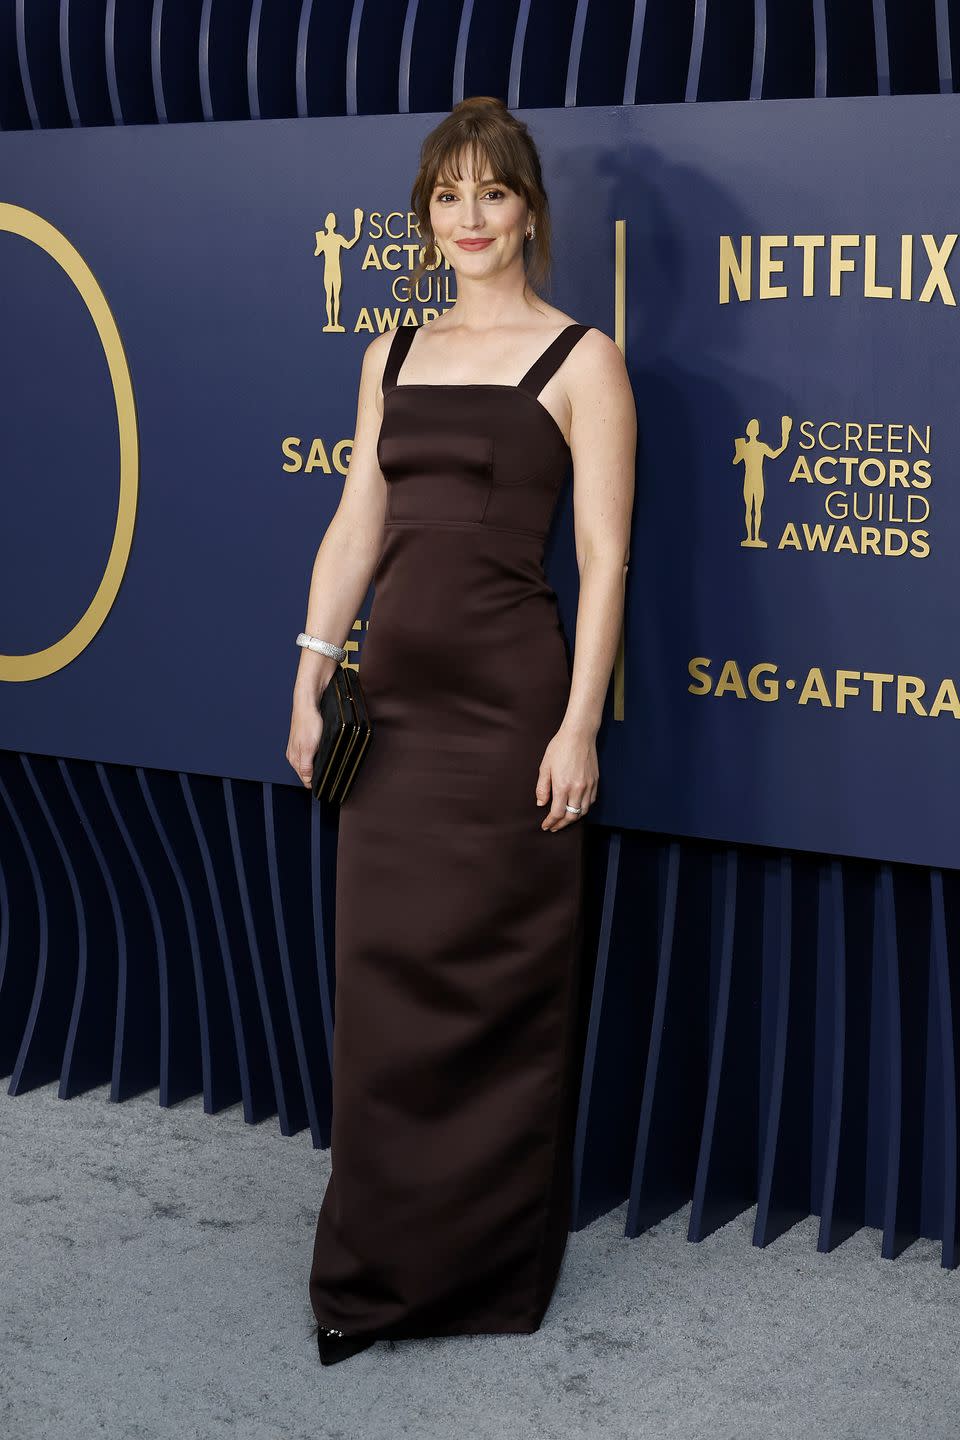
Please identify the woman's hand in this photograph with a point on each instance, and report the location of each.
(306, 727)
(569, 771)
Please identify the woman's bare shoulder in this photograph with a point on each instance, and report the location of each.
(375, 358)
(597, 353)
(378, 348)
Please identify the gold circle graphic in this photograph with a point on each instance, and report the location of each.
(30, 226)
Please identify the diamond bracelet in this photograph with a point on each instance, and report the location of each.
(324, 647)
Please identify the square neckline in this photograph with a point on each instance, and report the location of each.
(517, 387)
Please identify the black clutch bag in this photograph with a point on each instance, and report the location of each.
(345, 736)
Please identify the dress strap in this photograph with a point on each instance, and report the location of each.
(399, 345)
(551, 359)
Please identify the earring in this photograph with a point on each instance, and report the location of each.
(531, 232)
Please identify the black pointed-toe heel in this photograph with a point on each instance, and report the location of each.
(333, 1345)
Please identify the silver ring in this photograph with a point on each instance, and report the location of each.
(575, 809)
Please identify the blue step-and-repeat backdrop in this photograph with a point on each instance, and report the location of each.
(185, 309)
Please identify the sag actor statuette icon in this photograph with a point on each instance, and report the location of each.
(751, 452)
(329, 244)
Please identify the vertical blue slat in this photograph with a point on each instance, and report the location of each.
(726, 1180)
(582, 1207)
(695, 62)
(617, 1035)
(944, 47)
(460, 54)
(516, 54)
(32, 1067)
(156, 76)
(287, 1124)
(576, 53)
(887, 938)
(223, 59)
(73, 1077)
(406, 57)
(223, 948)
(353, 47)
(945, 1000)
(305, 1061)
(126, 1045)
(128, 59)
(759, 48)
(13, 103)
(786, 1164)
(848, 900)
(820, 47)
(167, 1060)
(881, 46)
(906, 920)
(674, 1068)
(210, 1087)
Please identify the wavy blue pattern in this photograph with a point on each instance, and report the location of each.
(24, 1076)
(223, 945)
(4, 930)
(192, 940)
(165, 1035)
(591, 1057)
(84, 62)
(68, 1086)
(263, 995)
(660, 1179)
(287, 969)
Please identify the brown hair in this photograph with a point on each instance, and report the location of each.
(484, 128)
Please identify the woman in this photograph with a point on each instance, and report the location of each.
(460, 846)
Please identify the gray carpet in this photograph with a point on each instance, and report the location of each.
(154, 1270)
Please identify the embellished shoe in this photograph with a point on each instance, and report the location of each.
(333, 1345)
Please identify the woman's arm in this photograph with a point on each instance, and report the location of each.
(344, 563)
(603, 444)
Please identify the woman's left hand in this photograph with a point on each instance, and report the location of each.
(569, 773)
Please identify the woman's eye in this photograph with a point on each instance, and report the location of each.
(498, 194)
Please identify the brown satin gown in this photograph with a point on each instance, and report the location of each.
(458, 924)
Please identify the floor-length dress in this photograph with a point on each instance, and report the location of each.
(459, 921)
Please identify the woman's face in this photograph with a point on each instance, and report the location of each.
(478, 209)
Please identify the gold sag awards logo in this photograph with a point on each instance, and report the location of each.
(390, 254)
(15, 220)
(867, 495)
(872, 508)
